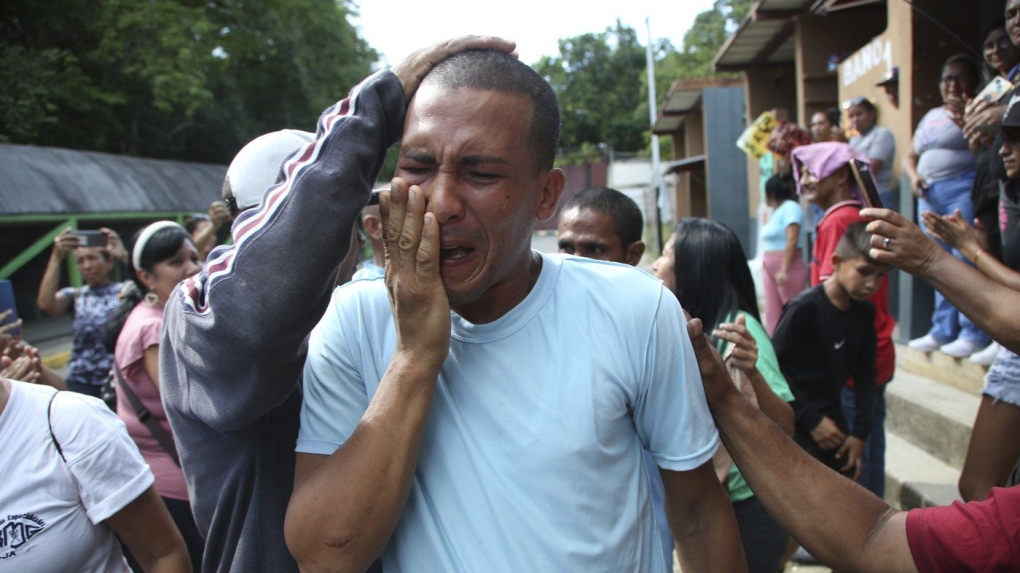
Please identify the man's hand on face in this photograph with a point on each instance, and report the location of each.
(421, 309)
(413, 69)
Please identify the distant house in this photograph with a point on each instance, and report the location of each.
(44, 189)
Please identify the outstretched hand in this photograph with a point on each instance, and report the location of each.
(908, 248)
(421, 309)
(114, 245)
(953, 230)
(413, 69)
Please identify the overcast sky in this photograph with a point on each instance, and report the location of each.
(396, 28)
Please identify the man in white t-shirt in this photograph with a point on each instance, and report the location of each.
(505, 435)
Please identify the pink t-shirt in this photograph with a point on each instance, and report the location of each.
(142, 330)
(976, 536)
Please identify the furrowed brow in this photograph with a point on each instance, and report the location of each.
(478, 160)
(419, 156)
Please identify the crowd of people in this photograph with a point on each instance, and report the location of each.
(464, 403)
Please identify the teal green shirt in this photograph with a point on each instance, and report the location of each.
(768, 365)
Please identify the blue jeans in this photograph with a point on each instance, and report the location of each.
(945, 197)
(873, 462)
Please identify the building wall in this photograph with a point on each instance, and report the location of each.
(726, 164)
(820, 37)
(765, 88)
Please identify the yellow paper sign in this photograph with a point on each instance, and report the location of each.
(755, 138)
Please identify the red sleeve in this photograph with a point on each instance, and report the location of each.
(830, 231)
(976, 536)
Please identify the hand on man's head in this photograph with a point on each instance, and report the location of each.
(899, 242)
(413, 69)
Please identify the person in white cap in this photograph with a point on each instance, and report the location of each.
(234, 337)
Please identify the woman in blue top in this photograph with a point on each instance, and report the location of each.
(785, 274)
(704, 265)
(89, 364)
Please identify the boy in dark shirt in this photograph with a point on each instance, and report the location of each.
(824, 336)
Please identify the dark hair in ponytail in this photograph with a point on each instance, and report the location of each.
(162, 245)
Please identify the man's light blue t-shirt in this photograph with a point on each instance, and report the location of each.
(531, 458)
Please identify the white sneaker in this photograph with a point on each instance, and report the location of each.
(959, 348)
(987, 356)
(926, 343)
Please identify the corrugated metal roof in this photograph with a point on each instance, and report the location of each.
(765, 36)
(49, 180)
(683, 97)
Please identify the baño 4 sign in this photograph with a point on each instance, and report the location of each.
(876, 53)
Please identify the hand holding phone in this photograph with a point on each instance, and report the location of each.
(866, 183)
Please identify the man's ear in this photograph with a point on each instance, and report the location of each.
(634, 252)
(373, 226)
(553, 181)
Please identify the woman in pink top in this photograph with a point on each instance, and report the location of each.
(162, 256)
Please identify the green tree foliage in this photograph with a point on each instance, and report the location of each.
(701, 43)
(597, 78)
(186, 79)
(600, 78)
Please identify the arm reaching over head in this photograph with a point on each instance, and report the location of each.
(993, 307)
(257, 300)
(840, 523)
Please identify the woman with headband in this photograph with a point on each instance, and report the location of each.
(162, 256)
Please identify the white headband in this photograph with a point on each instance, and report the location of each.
(136, 253)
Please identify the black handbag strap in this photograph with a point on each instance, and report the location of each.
(146, 417)
(49, 422)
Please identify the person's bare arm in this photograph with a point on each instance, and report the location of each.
(837, 521)
(48, 300)
(702, 521)
(917, 183)
(370, 475)
(789, 252)
(150, 359)
(145, 526)
(993, 307)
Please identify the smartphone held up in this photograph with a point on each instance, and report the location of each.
(90, 238)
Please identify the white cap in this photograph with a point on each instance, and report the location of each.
(257, 166)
